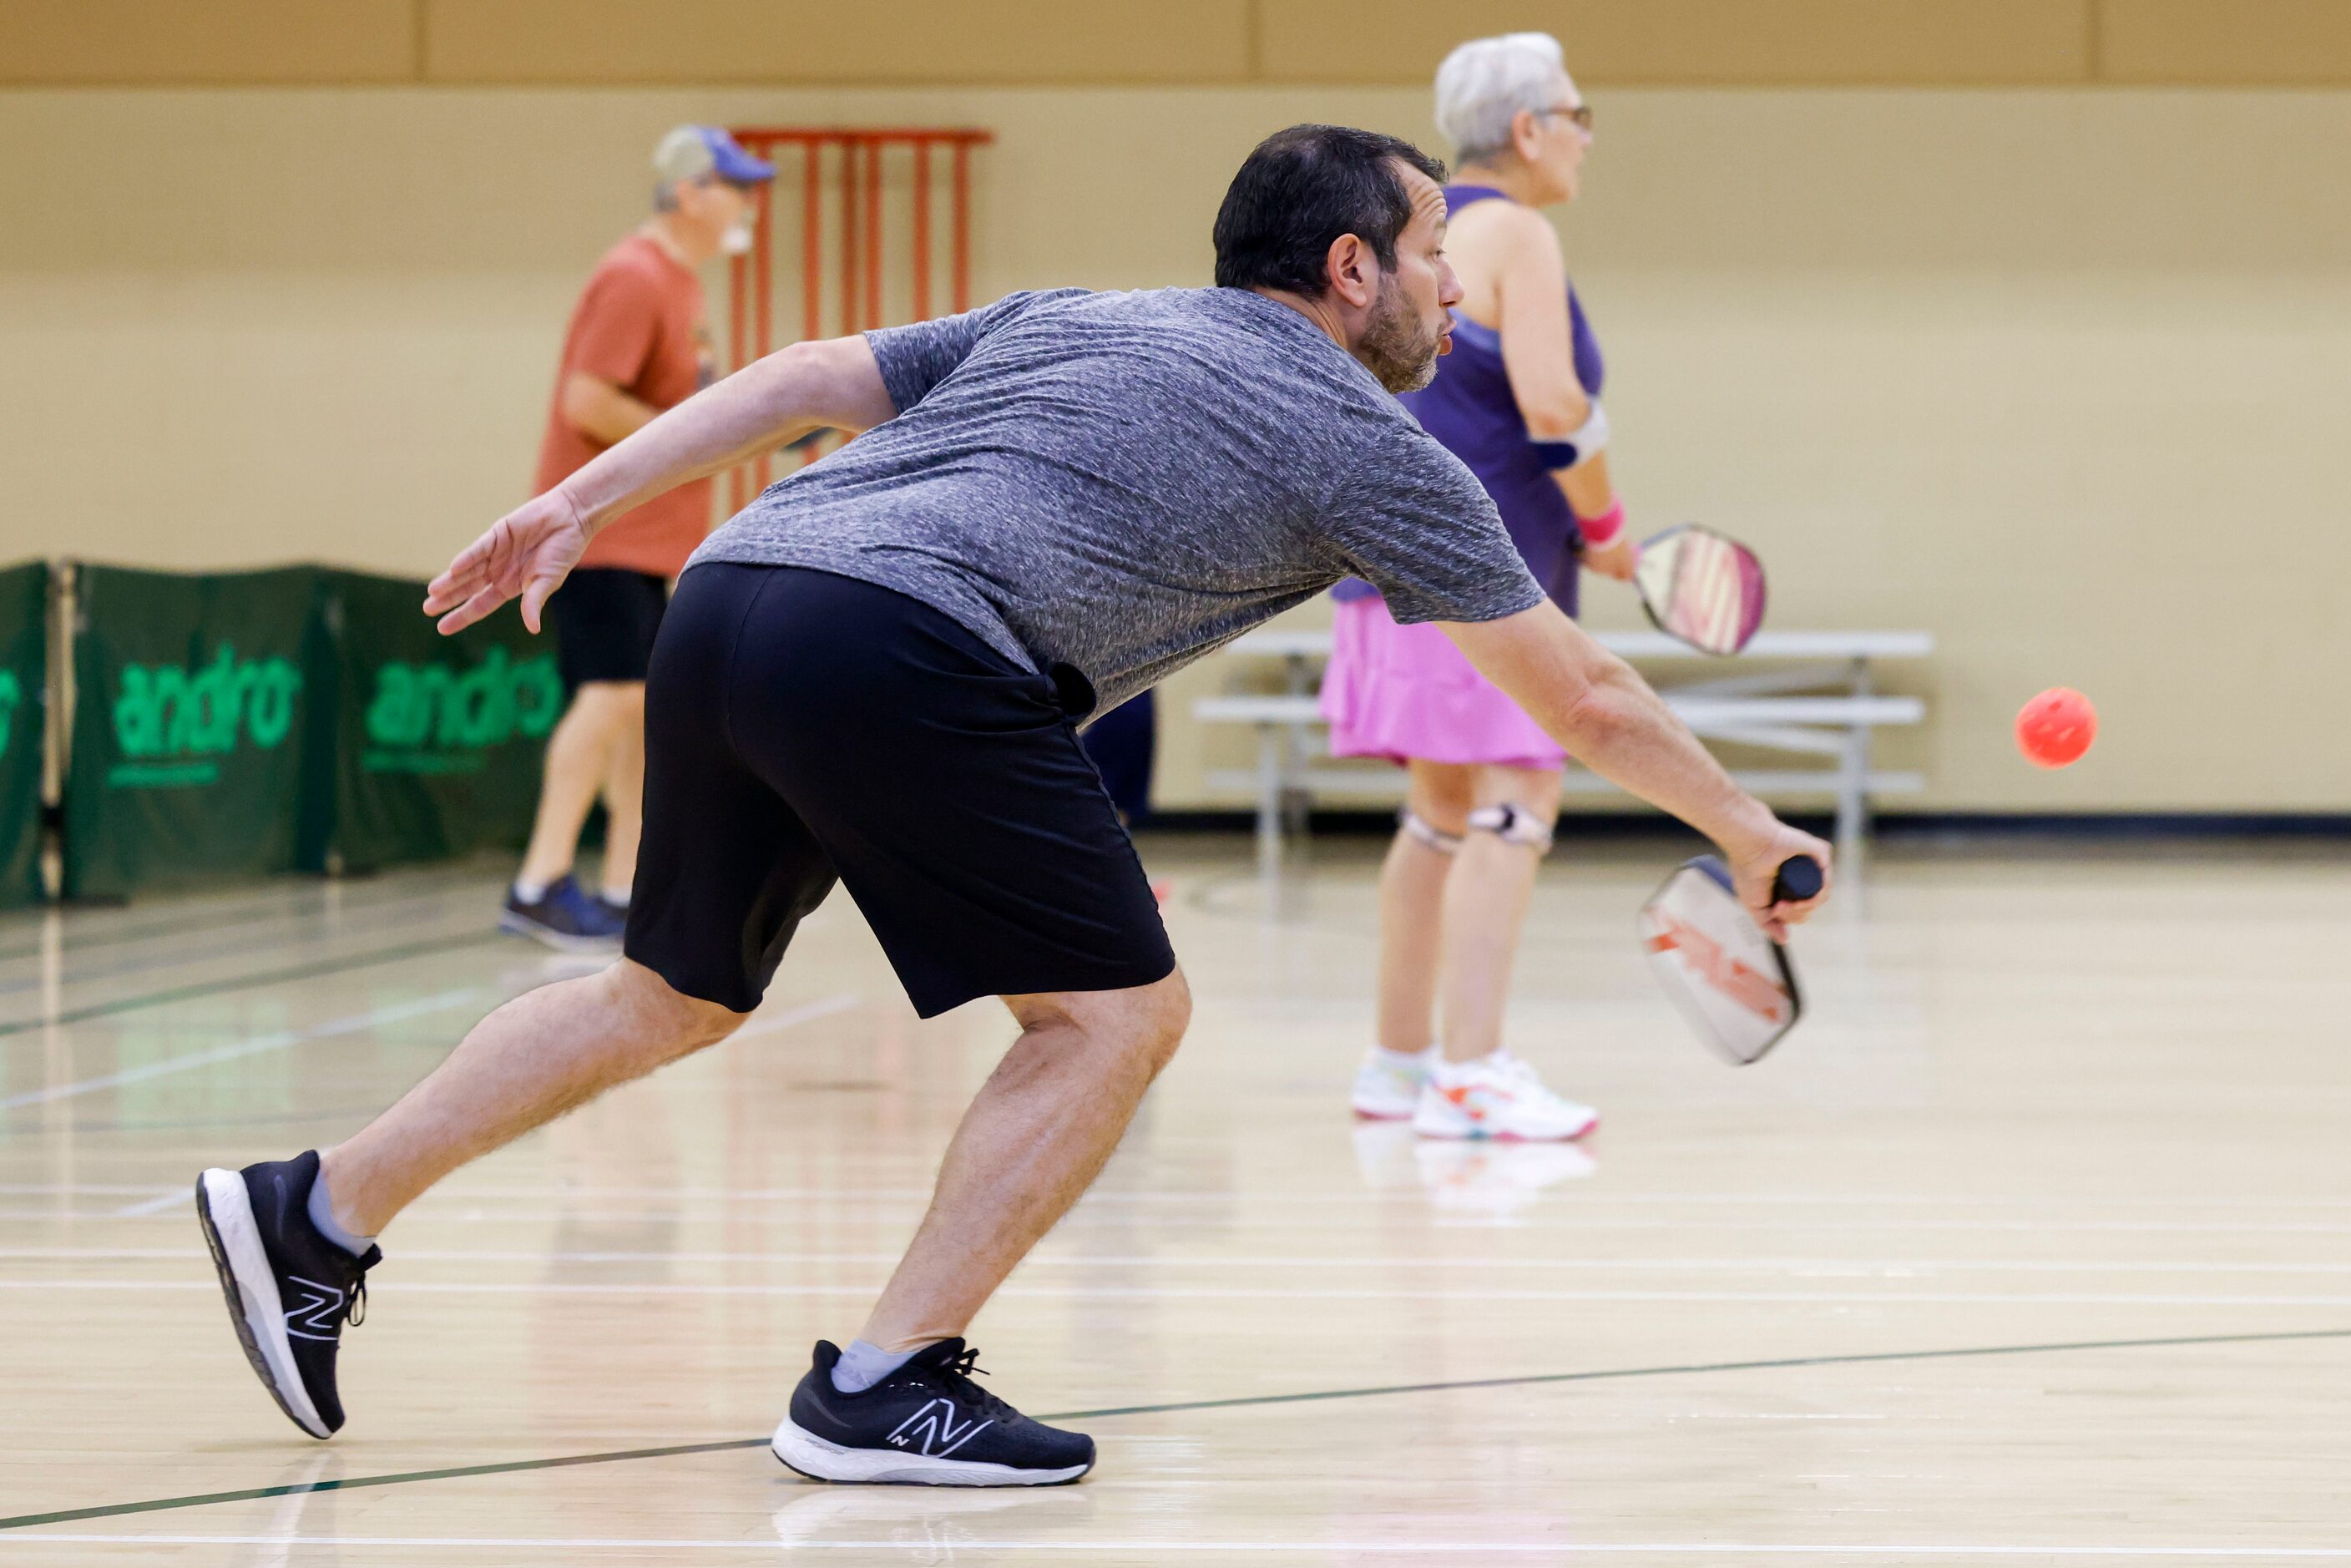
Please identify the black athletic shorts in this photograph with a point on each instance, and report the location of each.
(801, 726)
(606, 617)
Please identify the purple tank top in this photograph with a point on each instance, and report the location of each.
(1469, 408)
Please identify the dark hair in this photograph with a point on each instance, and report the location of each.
(1300, 191)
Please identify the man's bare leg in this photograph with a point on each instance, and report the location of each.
(624, 804)
(578, 758)
(528, 1063)
(1034, 1138)
(1032, 1141)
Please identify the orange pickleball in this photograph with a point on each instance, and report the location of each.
(2056, 727)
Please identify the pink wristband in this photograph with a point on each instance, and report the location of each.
(1600, 532)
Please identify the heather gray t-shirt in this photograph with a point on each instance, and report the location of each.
(1122, 481)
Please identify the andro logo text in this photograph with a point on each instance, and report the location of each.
(420, 709)
(172, 724)
(12, 696)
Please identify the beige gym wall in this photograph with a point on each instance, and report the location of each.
(2056, 374)
(1650, 43)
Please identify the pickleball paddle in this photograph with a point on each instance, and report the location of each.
(1735, 986)
(1702, 587)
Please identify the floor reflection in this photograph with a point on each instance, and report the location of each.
(930, 1524)
(289, 1530)
(1477, 1177)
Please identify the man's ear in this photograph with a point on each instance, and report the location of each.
(1353, 271)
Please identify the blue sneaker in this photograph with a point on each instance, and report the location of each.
(566, 918)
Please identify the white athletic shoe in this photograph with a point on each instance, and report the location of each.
(1497, 1096)
(1386, 1090)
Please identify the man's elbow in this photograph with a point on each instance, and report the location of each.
(1601, 710)
(832, 382)
(797, 361)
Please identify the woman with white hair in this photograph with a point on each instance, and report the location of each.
(1517, 400)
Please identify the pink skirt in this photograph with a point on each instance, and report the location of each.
(1404, 692)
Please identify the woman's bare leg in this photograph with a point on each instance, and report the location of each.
(1412, 903)
(1485, 905)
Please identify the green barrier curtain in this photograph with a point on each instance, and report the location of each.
(437, 740)
(192, 695)
(23, 690)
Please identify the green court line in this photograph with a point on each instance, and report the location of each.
(230, 913)
(1537, 1379)
(375, 920)
(246, 982)
(395, 888)
(253, 1494)
(111, 1510)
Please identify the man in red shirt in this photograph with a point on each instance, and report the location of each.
(638, 343)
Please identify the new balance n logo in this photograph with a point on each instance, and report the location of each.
(932, 1430)
(319, 1310)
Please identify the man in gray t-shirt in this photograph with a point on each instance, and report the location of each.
(1121, 482)
(876, 673)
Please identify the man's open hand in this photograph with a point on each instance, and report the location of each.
(528, 553)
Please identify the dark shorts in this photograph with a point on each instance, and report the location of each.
(801, 726)
(606, 617)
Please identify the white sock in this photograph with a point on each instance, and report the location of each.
(529, 892)
(322, 1220)
(618, 897)
(1453, 1072)
(863, 1365)
(1419, 1060)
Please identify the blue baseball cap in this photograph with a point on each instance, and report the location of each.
(696, 151)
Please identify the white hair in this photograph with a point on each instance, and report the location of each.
(1482, 85)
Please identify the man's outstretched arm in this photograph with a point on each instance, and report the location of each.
(832, 384)
(1608, 718)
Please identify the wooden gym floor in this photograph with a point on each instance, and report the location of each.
(2033, 1244)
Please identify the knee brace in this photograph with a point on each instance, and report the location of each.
(1512, 825)
(1428, 832)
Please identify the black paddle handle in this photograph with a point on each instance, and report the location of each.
(1798, 879)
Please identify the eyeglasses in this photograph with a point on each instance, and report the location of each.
(1581, 113)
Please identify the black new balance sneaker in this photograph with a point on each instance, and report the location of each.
(927, 1424)
(290, 1290)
